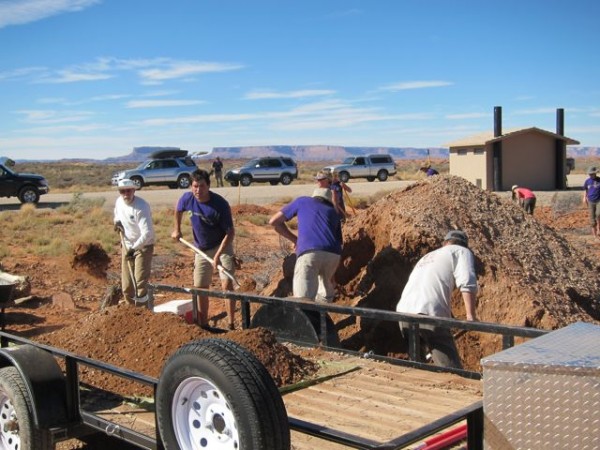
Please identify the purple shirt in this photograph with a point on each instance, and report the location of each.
(338, 191)
(592, 187)
(210, 220)
(319, 225)
(431, 172)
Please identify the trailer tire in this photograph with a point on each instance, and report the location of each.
(214, 393)
(17, 428)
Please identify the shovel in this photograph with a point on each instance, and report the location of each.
(136, 299)
(210, 260)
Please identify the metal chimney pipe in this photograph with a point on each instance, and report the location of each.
(560, 121)
(497, 121)
(497, 150)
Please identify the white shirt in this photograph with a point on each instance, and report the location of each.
(430, 285)
(137, 222)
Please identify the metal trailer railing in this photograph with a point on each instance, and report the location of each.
(508, 332)
(473, 414)
(81, 422)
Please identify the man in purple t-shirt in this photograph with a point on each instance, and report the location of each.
(318, 245)
(429, 171)
(212, 227)
(591, 198)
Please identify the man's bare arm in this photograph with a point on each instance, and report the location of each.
(470, 299)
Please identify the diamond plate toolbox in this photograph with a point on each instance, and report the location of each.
(545, 393)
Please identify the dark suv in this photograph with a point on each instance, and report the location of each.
(274, 169)
(26, 186)
(168, 168)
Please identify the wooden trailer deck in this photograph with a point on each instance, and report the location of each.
(361, 397)
(378, 401)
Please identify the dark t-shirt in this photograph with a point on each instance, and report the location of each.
(592, 187)
(319, 225)
(338, 191)
(217, 166)
(210, 220)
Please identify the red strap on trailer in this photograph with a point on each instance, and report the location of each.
(446, 439)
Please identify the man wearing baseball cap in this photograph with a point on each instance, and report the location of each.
(317, 244)
(591, 197)
(428, 291)
(133, 221)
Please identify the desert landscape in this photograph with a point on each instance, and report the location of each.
(538, 271)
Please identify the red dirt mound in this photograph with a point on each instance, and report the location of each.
(92, 258)
(142, 341)
(529, 274)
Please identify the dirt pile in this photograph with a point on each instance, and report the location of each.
(142, 341)
(92, 258)
(529, 275)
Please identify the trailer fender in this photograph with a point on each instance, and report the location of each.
(44, 381)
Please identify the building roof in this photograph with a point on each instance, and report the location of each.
(481, 139)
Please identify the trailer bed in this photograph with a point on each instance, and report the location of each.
(378, 401)
(369, 399)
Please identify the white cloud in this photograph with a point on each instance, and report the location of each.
(19, 12)
(406, 85)
(259, 95)
(68, 76)
(204, 118)
(161, 103)
(183, 69)
(59, 129)
(52, 117)
(20, 73)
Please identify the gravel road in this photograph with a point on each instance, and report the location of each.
(262, 194)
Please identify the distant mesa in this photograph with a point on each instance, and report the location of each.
(304, 153)
(298, 152)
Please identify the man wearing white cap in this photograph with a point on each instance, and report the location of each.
(133, 220)
(429, 288)
(318, 245)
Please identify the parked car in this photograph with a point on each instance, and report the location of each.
(272, 169)
(171, 168)
(371, 167)
(26, 186)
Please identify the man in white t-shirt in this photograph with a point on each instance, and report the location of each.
(133, 220)
(429, 290)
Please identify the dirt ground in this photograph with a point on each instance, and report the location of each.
(539, 271)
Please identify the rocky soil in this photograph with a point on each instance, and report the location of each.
(538, 271)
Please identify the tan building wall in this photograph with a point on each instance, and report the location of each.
(529, 160)
(471, 163)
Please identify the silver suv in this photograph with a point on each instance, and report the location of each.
(169, 170)
(371, 167)
(274, 169)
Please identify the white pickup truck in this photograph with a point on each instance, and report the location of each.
(379, 166)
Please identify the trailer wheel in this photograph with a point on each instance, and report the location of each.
(17, 430)
(215, 394)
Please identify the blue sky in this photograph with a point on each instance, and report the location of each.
(95, 78)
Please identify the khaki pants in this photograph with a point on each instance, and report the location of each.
(313, 275)
(203, 270)
(141, 267)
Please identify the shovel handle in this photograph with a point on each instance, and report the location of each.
(210, 260)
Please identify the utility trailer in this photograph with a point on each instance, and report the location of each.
(372, 405)
(213, 393)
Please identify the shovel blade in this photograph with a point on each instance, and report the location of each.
(292, 324)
